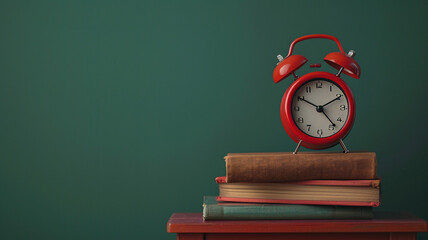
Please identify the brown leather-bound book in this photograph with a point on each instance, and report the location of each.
(284, 167)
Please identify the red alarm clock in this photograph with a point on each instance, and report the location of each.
(318, 109)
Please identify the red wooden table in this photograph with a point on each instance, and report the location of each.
(385, 225)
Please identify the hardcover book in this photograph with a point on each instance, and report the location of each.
(214, 210)
(313, 192)
(284, 167)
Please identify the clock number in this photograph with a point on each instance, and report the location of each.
(319, 85)
(300, 120)
(308, 89)
(331, 88)
(339, 119)
(296, 108)
(342, 108)
(330, 127)
(309, 127)
(319, 132)
(300, 98)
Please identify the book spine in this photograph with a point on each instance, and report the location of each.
(299, 167)
(273, 212)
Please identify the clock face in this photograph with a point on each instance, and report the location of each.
(320, 108)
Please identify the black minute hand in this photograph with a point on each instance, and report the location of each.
(332, 101)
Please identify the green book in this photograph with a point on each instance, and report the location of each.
(214, 210)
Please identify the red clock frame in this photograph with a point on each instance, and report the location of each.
(290, 126)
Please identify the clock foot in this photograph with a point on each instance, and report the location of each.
(297, 148)
(345, 150)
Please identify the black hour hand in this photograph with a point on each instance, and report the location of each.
(303, 99)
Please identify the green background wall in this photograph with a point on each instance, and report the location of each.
(116, 114)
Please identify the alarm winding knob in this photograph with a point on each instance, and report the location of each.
(280, 58)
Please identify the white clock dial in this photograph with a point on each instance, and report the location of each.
(320, 108)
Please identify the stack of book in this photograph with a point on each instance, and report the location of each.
(296, 186)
